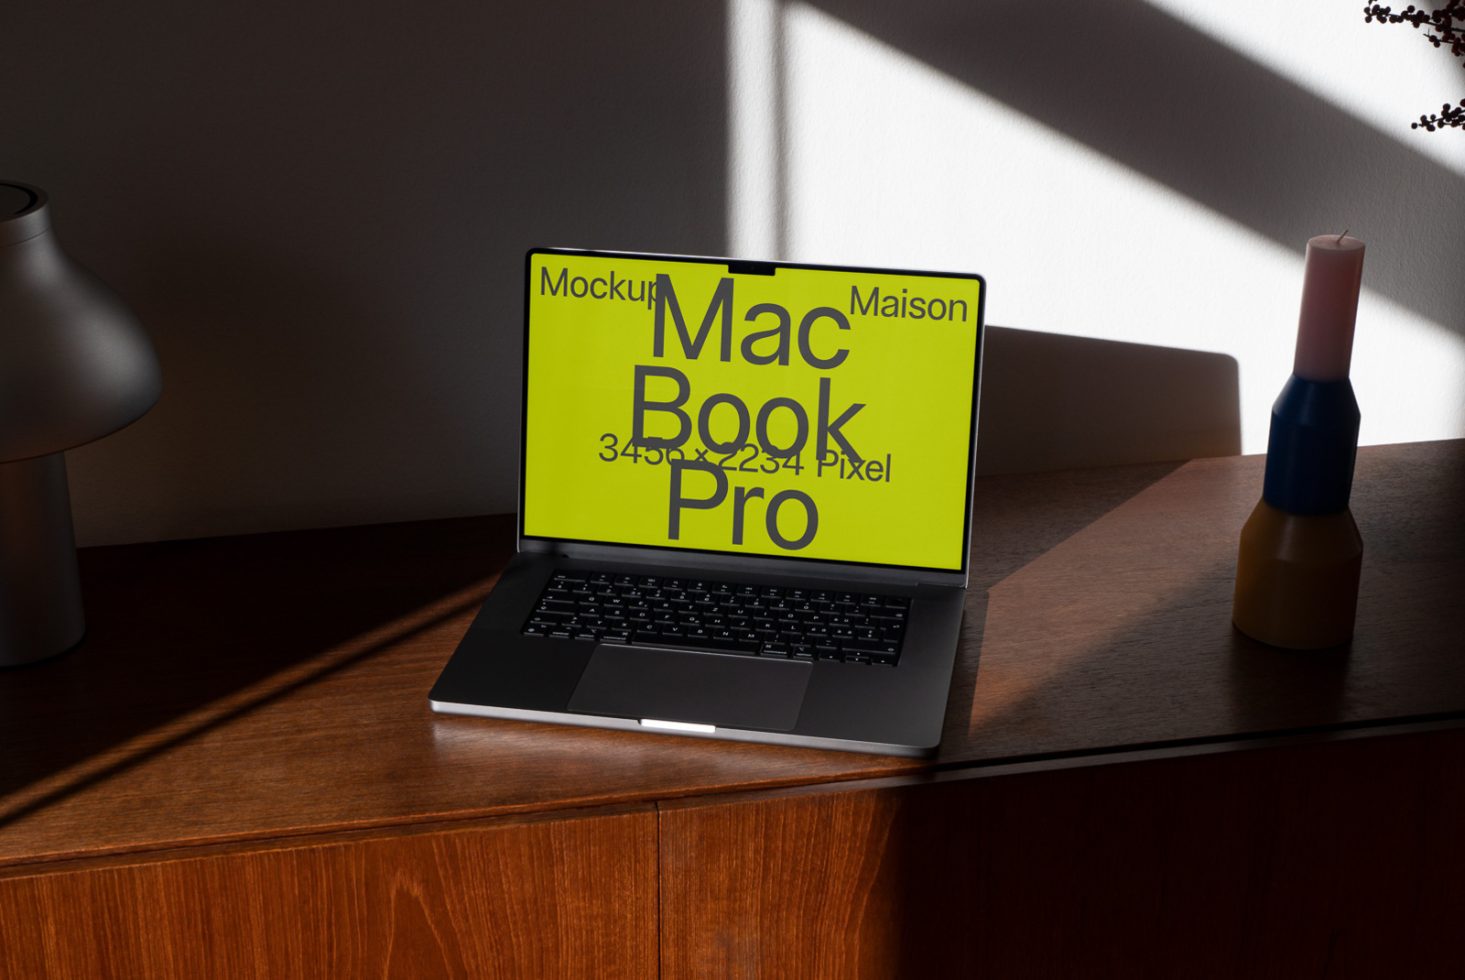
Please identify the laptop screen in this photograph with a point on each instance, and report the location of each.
(750, 408)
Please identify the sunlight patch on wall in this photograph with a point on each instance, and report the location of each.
(885, 161)
(1384, 75)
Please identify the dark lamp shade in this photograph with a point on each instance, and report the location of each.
(74, 366)
(74, 363)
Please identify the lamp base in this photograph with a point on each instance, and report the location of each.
(40, 593)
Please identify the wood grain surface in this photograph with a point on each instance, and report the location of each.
(565, 898)
(257, 687)
(1324, 861)
(1116, 631)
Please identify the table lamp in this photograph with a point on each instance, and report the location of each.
(74, 366)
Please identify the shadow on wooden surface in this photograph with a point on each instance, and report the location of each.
(151, 673)
(1337, 860)
(1109, 624)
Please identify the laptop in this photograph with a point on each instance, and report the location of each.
(745, 497)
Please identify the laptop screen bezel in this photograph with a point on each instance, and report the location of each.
(707, 557)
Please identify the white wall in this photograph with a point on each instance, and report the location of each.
(319, 212)
(1138, 172)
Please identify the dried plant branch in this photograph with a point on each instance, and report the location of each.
(1443, 27)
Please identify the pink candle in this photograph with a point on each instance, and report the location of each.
(1330, 281)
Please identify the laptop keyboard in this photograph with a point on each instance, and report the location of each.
(726, 617)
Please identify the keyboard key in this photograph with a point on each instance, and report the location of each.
(872, 646)
(729, 643)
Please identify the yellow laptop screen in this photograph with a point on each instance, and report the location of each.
(759, 409)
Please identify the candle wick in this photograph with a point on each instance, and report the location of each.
(1341, 237)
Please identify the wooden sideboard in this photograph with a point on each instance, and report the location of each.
(237, 773)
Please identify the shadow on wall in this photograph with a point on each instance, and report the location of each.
(1053, 402)
(1165, 100)
(320, 213)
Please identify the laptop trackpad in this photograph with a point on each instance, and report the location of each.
(705, 688)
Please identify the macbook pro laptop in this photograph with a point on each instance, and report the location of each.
(745, 497)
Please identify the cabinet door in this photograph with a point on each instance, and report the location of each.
(1338, 860)
(547, 898)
